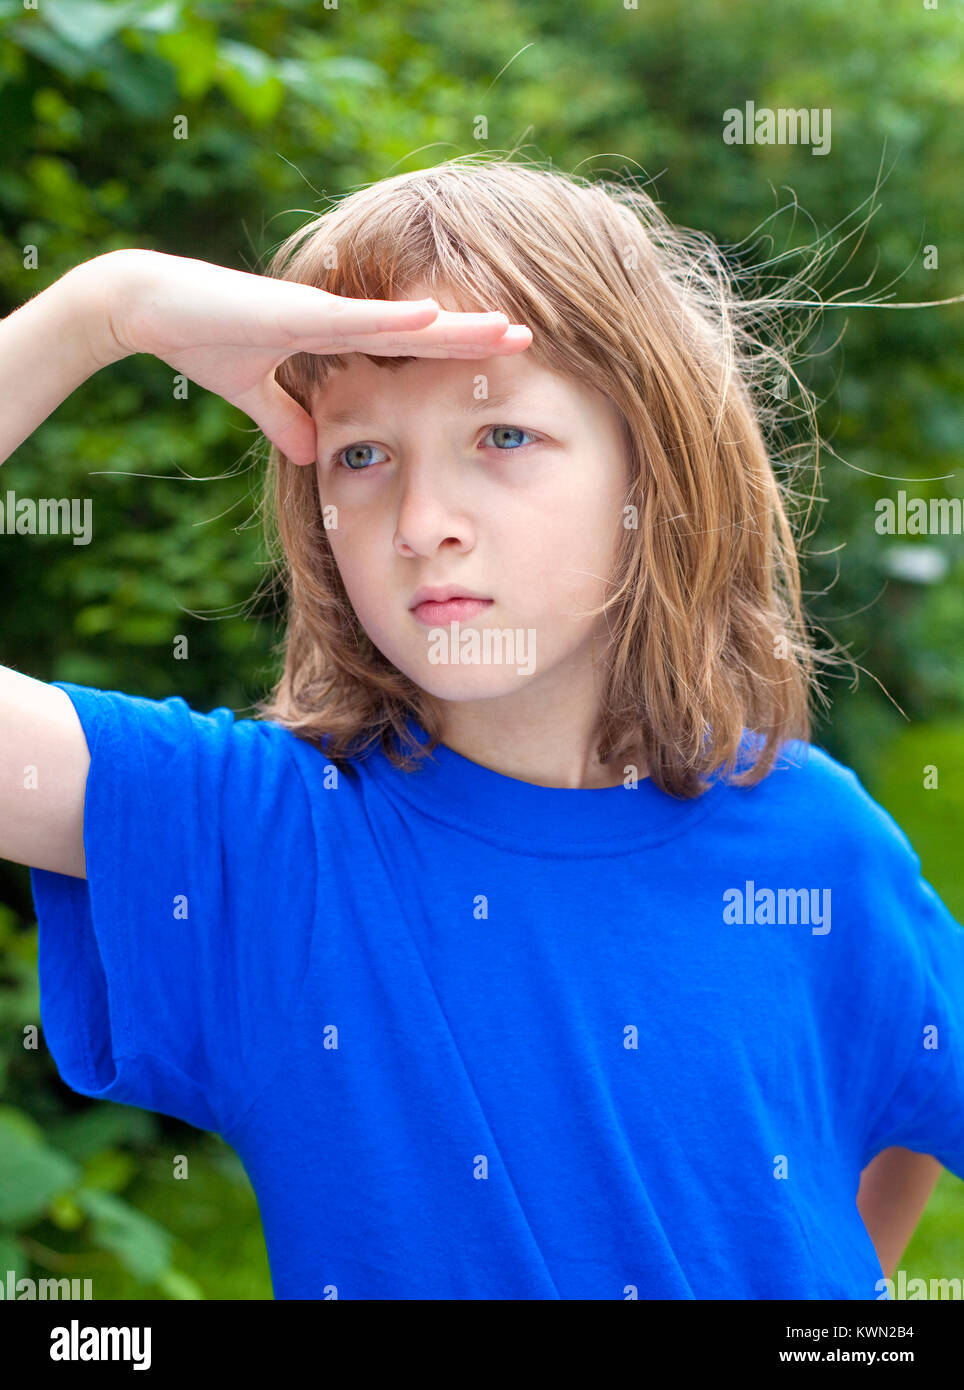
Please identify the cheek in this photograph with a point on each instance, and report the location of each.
(572, 548)
(352, 550)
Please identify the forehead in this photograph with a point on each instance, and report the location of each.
(361, 388)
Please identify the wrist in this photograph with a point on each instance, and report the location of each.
(93, 293)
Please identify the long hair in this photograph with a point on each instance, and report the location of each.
(707, 637)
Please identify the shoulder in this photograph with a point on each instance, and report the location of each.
(805, 770)
(167, 740)
(823, 802)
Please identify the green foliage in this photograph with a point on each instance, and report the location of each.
(930, 815)
(62, 1173)
(287, 103)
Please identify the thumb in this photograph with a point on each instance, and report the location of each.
(282, 420)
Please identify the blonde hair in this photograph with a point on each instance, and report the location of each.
(704, 608)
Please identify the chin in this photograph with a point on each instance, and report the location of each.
(457, 683)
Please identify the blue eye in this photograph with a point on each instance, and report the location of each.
(353, 457)
(511, 429)
(355, 449)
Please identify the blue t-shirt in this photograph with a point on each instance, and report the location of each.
(474, 1038)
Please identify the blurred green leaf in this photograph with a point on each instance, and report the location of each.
(249, 78)
(109, 1170)
(94, 619)
(140, 1244)
(144, 85)
(60, 55)
(194, 54)
(102, 1126)
(161, 16)
(64, 1212)
(30, 1173)
(177, 1284)
(11, 1256)
(85, 23)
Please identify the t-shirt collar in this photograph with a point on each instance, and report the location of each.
(572, 821)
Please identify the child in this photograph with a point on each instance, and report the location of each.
(523, 947)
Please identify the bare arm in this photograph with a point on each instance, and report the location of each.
(894, 1190)
(48, 347)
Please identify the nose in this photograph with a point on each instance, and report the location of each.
(431, 510)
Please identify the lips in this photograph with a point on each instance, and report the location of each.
(442, 593)
(459, 609)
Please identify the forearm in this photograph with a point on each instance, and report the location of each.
(49, 346)
(894, 1190)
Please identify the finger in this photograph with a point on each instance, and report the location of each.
(313, 313)
(516, 338)
(453, 327)
(477, 332)
(335, 323)
(282, 420)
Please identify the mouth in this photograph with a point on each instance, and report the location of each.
(458, 608)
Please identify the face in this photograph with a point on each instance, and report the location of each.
(492, 476)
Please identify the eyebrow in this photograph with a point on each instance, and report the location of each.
(354, 415)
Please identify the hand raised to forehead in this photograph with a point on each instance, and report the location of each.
(228, 331)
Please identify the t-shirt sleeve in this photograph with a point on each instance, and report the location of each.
(168, 976)
(924, 1019)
